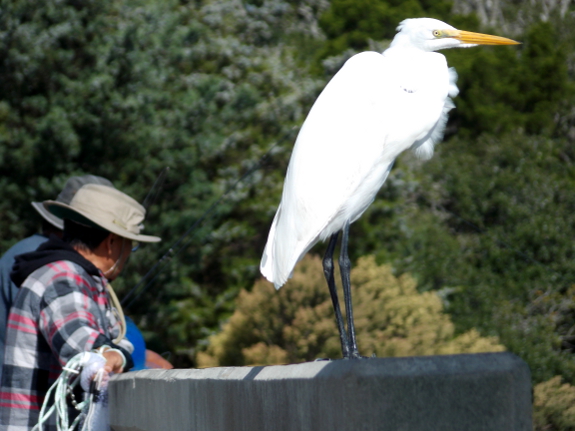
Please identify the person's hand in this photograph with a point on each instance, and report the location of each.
(114, 361)
(154, 360)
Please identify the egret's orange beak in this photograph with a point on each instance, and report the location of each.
(480, 39)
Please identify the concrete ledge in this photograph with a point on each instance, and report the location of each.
(489, 392)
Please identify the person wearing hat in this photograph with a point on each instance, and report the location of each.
(64, 304)
(51, 225)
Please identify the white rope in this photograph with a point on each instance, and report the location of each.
(64, 386)
(117, 307)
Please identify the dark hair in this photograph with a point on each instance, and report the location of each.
(82, 236)
(49, 229)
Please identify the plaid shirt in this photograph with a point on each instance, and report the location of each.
(60, 311)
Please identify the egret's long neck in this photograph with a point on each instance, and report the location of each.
(402, 51)
(405, 45)
(405, 41)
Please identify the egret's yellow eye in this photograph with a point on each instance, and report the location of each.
(437, 33)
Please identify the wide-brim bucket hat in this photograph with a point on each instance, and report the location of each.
(106, 208)
(48, 216)
(73, 184)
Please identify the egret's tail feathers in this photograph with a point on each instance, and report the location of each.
(269, 260)
(279, 259)
(278, 269)
(267, 270)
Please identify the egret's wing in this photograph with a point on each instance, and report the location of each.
(371, 111)
(424, 147)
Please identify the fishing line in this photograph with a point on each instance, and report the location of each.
(155, 190)
(180, 244)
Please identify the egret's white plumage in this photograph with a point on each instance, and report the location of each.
(374, 108)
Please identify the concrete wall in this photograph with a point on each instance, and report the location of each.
(490, 392)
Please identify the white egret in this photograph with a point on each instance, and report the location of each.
(374, 108)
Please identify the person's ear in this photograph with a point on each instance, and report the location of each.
(110, 239)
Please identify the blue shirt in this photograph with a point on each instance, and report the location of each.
(137, 339)
(8, 290)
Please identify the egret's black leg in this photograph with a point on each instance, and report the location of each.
(345, 269)
(328, 268)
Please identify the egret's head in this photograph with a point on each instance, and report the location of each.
(428, 34)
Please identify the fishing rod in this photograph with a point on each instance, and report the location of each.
(183, 241)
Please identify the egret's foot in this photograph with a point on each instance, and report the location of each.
(356, 355)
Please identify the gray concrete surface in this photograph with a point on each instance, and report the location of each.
(487, 392)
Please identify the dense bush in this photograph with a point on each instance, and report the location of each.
(208, 87)
(125, 89)
(297, 323)
(554, 406)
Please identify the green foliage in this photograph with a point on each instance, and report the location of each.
(487, 224)
(296, 324)
(123, 90)
(352, 23)
(515, 191)
(554, 406)
(504, 92)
